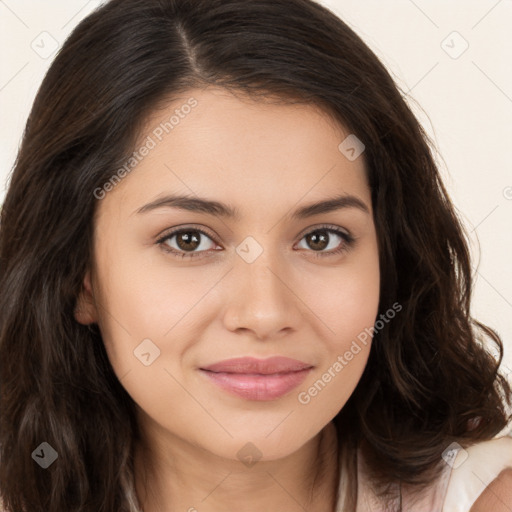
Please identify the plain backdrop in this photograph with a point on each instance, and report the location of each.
(451, 58)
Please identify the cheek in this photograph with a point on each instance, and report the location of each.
(142, 310)
(144, 298)
(142, 294)
(349, 308)
(350, 299)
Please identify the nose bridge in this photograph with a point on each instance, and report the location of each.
(257, 268)
(261, 299)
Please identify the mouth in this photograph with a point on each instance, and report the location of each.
(253, 366)
(257, 387)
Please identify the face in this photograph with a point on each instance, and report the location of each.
(177, 286)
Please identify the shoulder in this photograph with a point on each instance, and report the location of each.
(497, 496)
(481, 478)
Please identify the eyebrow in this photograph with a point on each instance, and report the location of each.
(202, 205)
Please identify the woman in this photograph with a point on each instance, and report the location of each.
(232, 279)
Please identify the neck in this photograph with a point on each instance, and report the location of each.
(188, 479)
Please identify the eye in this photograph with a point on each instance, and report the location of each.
(191, 242)
(322, 238)
(188, 242)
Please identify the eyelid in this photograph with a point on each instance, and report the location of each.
(185, 227)
(176, 229)
(324, 226)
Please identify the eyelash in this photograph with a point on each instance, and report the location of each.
(345, 247)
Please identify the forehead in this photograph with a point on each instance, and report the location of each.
(255, 155)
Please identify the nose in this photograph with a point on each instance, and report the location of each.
(263, 297)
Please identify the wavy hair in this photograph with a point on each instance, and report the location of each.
(429, 380)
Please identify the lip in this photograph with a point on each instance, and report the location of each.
(276, 364)
(258, 379)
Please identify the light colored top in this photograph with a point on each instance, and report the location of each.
(466, 475)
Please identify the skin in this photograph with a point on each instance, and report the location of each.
(265, 160)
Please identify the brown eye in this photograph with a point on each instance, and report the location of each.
(322, 238)
(187, 242)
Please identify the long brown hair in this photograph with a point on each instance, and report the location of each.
(428, 372)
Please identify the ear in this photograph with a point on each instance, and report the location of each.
(85, 309)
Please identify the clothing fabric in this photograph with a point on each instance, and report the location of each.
(466, 474)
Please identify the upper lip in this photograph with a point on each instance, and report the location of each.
(251, 365)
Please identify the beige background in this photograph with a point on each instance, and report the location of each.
(451, 57)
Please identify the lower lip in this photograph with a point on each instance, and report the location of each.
(258, 387)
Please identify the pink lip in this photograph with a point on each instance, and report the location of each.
(277, 364)
(257, 379)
